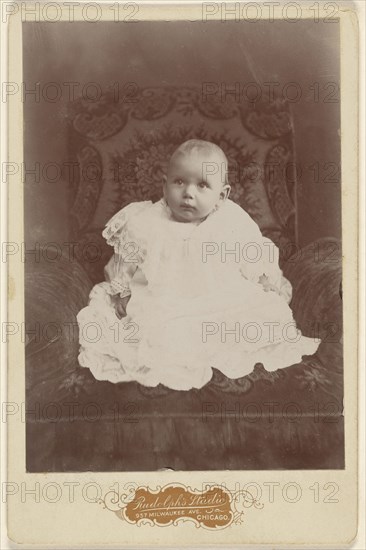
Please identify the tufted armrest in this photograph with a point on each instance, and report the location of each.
(54, 293)
(315, 273)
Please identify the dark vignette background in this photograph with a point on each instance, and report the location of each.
(187, 54)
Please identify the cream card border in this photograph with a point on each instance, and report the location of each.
(83, 523)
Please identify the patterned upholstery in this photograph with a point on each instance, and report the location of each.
(291, 418)
(122, 149)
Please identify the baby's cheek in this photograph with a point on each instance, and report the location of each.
(174, 195)
(207, 205)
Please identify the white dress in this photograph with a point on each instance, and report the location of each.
(203, 295)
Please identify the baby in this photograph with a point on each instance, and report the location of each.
(194, 282)
(195, 186)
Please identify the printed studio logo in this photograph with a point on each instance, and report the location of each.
(213, 508)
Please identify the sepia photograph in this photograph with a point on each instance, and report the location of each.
(183, 274)
(182, 245)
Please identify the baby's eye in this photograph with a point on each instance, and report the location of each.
(178, 181)
(202, 184)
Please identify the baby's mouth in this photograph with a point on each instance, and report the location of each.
(187, 206)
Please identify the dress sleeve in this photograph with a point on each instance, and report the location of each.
(128, 248)
(260, 261)
(272, 278)
(119, 274)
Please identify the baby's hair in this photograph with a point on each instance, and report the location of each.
(206, 147)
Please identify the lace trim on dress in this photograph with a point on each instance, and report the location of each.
(113, 232)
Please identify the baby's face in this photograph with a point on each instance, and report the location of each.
(194, 186)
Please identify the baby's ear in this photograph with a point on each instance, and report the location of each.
(225, 192)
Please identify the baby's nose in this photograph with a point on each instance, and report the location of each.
(189, 190)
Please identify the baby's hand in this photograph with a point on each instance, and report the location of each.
(121, 305)
(267, 286)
